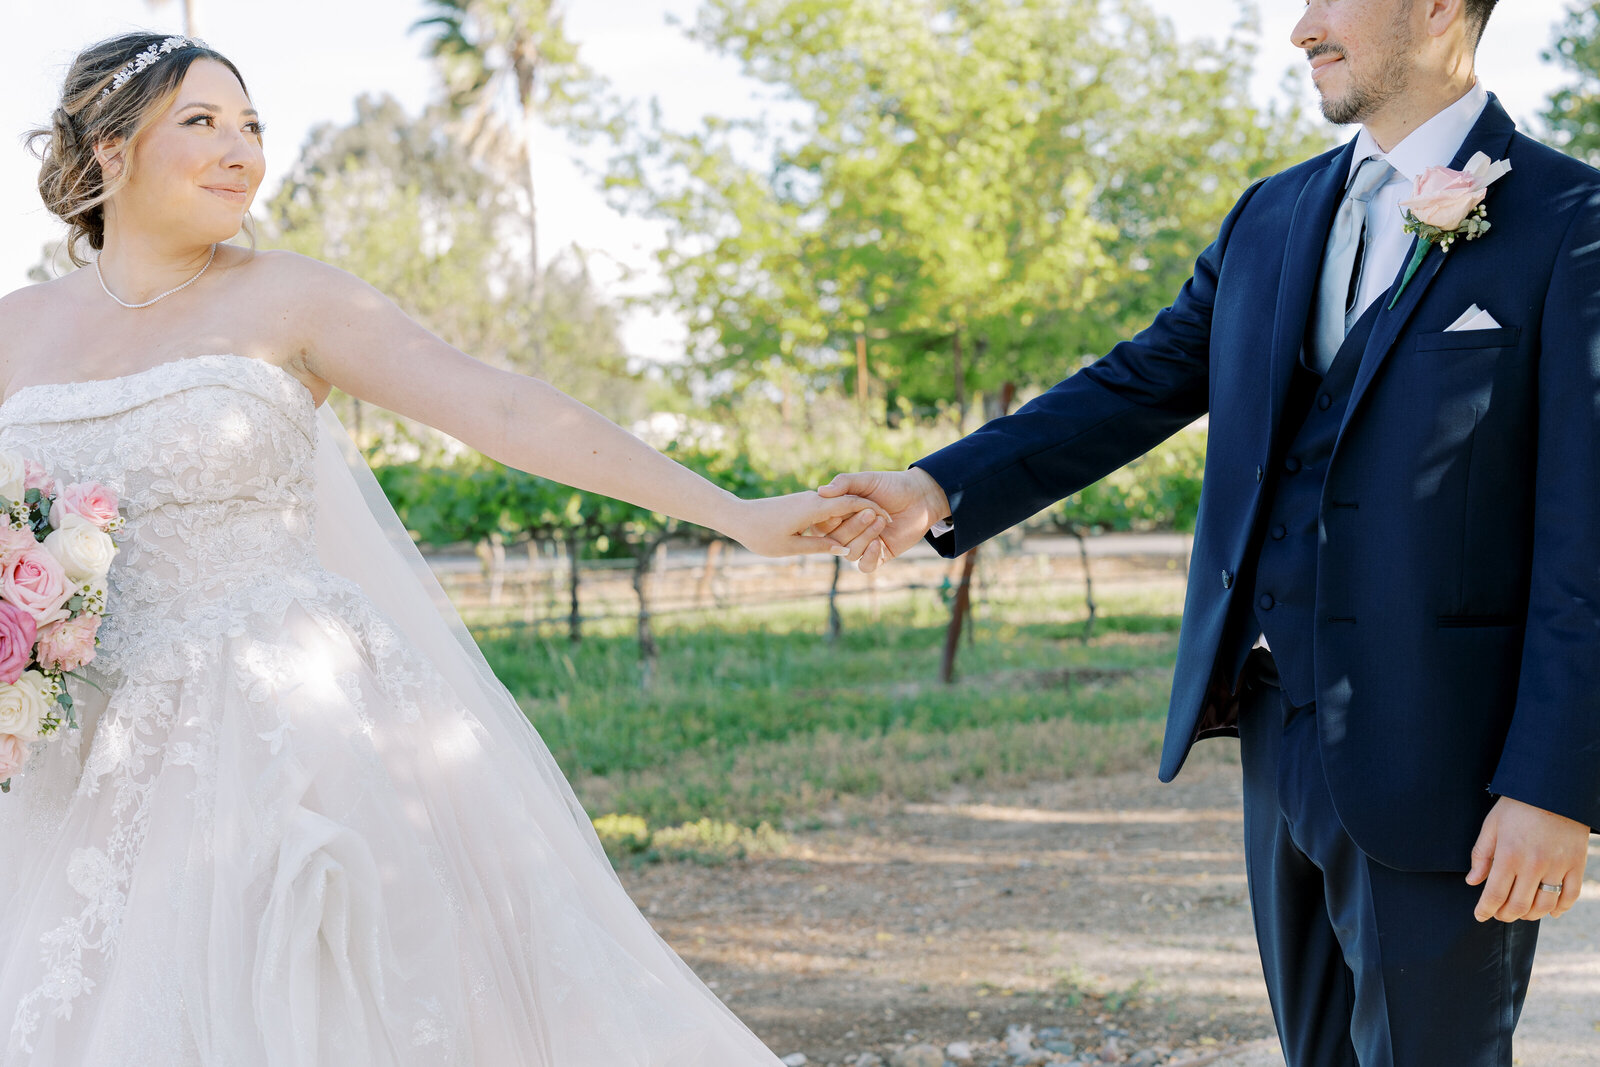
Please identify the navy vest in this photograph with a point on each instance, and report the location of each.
(1279, 595)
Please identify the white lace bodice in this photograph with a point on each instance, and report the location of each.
(211, 458)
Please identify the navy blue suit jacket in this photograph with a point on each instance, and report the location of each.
(1457, 644)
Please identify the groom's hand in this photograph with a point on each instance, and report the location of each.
(913, 500)
(1519, 848)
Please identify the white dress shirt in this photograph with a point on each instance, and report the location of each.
(1433, 144)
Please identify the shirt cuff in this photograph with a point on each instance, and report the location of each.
(944, 526)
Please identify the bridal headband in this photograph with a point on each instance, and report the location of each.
(143, 61)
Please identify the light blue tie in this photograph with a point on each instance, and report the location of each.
(1335, 311)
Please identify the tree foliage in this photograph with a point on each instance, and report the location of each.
(396, 201)
(519, 48)
(514, 56)
(989, 188)
(1574, 113)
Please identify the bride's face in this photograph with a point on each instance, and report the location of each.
(197, 166)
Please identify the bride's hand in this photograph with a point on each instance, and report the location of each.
(790, 525)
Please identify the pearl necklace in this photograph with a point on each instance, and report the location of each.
(153, 299)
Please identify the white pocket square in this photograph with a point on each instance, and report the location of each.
(1474, 318)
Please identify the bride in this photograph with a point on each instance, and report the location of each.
(302, 823)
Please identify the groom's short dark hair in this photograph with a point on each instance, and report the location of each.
(1477, 15)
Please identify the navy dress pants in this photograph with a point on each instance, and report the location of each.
(1365, 965)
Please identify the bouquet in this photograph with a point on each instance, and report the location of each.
(55, 550)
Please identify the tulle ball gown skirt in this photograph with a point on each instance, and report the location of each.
(298, 825)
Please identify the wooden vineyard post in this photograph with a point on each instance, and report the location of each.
(963, 602)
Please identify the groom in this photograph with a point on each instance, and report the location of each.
(1394, 597)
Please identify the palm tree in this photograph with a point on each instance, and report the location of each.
(492, 50)
(188, 14)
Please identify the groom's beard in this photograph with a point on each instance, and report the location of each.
(1366, 97)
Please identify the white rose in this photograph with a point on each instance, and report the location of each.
(12, 474)
(83, 549)
(23, 704)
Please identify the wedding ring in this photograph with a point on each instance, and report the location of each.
(1550, 887)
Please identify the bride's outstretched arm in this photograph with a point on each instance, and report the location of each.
(352, 336)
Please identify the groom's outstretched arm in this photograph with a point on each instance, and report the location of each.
(1080, 430)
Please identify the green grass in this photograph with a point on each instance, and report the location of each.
(755, 719)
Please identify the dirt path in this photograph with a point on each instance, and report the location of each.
(1110, 909)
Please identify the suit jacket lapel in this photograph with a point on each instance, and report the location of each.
(1297, 286)
(1489, 135)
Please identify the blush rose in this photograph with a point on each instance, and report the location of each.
(36, 583)
(68, 644)
(13, 753)
(90, 499)
(17, 634)
(36, 477)
(1445, 197)
(14, 541)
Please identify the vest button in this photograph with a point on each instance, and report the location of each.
(1292, 465)
(1280, 532)
(1227, 579)
(1324, 401)
(1260, 474)
(1266, 602)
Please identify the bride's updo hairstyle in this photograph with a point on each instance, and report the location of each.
(70, 180)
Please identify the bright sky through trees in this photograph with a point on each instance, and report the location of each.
(306, 60)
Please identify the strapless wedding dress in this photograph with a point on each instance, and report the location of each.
(281, 837)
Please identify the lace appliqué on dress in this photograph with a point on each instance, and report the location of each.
(215, 483)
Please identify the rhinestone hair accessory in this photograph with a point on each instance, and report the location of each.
(142, 62)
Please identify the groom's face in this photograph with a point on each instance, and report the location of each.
(1361, 54)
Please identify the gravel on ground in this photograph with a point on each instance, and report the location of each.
(1098, 920)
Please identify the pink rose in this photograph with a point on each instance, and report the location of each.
(13, 543)
(90, 499)
(1446, 197)
(68, 644)
(36, 583)
(13, 753)
(17, 634)
(36, 477)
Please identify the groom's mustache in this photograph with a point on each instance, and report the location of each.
(1326, 48)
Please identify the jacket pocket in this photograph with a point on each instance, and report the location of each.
(1499, 337)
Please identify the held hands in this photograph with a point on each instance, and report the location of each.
(912, 499)
(1520, 848)
(798, 524)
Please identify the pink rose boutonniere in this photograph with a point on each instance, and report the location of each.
(1448, 204)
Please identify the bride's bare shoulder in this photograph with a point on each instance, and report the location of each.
(32, 299)
(300, 282)
(293, 270)
(28, 315)
(316, 295)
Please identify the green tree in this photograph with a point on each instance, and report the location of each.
(396, 201)
(1574, 113)
(980, 192)
(494, 54)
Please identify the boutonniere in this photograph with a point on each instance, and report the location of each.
(1448, 204)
